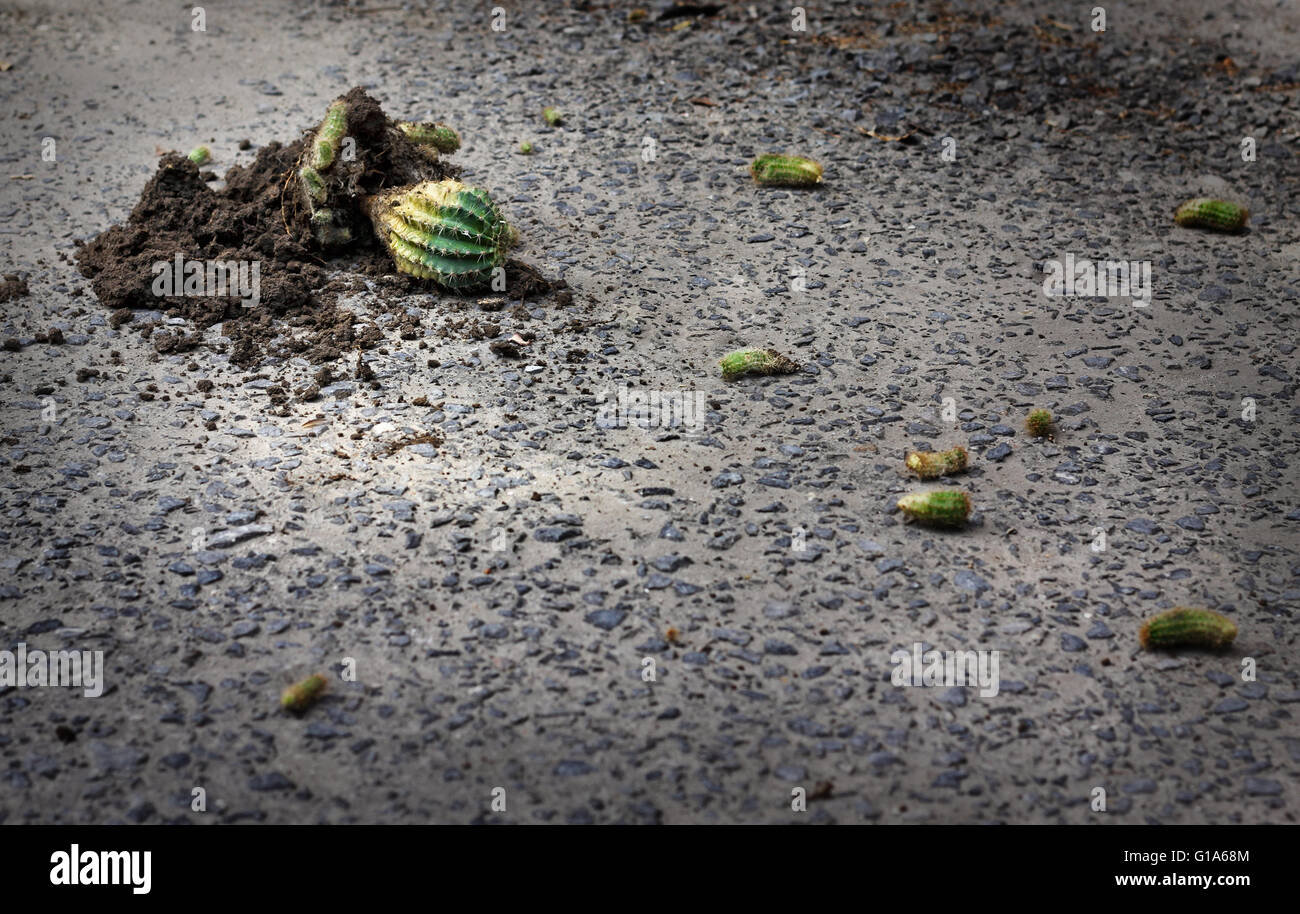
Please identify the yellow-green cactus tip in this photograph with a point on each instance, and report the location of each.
(1039, 423)
(743, 362)
(774, 170)
(553, 116)
(525, 148)
(300, 695)
(1185, 627)
(932, 464)
(200, 155)
(1216, 215)
(937, 507)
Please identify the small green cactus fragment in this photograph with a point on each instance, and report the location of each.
(300, 695)
(1219, 215)
(933, 464)
(200, 155)
(325, 145)
(774, 170)
(937, 508)
(439, 136)
(526, 148)
(1039, 423)
(444, 230)
(553, 116)
(313, 184)
(755, 361)
(1184, 627)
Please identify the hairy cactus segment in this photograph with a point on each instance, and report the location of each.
(1184, 627)
(755, 361)
(1218, 215)
(786, 171)
(313, 185)
(933, 464)
(937, 508)
(300, 695)
(442, 230)
(1039, 423)
(325, 145)
(439, 136)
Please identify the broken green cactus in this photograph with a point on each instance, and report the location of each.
(937, 508)
(1184, 627)
(755, 361)
(1218, 215)
(200, 155)
(329, 136)
(439, 136)
(775, 170)
(933, 464)
(444, 231)
(553, 116)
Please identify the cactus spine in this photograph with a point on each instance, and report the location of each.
(300, 695)
(1182, 626)
(1039, 423)
(786, 171)
(937, 508)
(442, 230)
(1218, 215)
(933, 464)
(755, 361)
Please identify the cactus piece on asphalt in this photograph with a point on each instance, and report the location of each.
(1218, 215)
(755, 361)
(786, 171)
(1039, 423)
(300, 695)
(325, 144)
(933, 464)
(200, 155)
(525, 148)
(937, 508)
(553, 116)
(1184, 627)
(439, 136)
(444, 231)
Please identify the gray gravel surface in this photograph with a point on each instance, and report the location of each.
(502, 594)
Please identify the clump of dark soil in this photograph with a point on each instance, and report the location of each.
(13, 287)
(259, 218)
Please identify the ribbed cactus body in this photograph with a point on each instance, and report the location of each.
(933, 464)
(755, 361)
(442, 230)
(937, 508)
(1219, 215)
(1184, 627)
(439, 136)
(325, 145)
(300, 695)
(786, 171)
(1039, 423)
